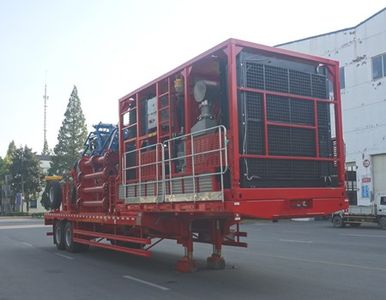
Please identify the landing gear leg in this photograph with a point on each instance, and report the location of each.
(216, 261)
(187, 263)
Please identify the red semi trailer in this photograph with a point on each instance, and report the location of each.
(241, 131)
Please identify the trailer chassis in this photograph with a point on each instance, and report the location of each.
(137, 233)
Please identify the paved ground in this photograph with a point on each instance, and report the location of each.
(285, 260)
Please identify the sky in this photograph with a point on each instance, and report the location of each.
(110, 48)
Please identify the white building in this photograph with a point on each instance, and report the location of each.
(361, 51)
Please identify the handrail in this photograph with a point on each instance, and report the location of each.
(162, 179)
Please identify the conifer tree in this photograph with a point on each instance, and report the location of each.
(5, 165)
(3, 171)
(6, 162)
(11, 149)
(46, 150)
(71, 137)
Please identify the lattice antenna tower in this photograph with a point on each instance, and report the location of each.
(45, 97)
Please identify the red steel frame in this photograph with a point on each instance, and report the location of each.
(269, 202)
(215, 217)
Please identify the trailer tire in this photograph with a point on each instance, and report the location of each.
(337, 221)
(58, 229)
(69, 243)
(45, 200)
(382, 222)
(55, 195)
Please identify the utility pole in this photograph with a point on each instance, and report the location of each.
(22, 181)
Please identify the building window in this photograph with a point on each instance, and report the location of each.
(379, 66)
(384, 64)
(33, 203)
(351, 183)
(342, 78)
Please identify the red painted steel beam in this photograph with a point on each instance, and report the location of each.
(287, 157)
(102, 159)
(138, 252)
(233, 114)
(292, 125)
(339, 125)
(96, 203)
(95, 175)
(187, 102)
(98, 160)
(88, 163)
(225, 243)
(281, 208)
(316, 128)
(287, 95)
(265, 120)
(264, 196)
(158, 96)
(113, 236)
(94, 189)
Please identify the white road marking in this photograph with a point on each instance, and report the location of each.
(26, 244)
(295, 241)
(64, 256)
(364, 235)
(325, 262)
(146, 282)
(23, 226)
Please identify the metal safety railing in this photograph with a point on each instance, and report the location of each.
(140, 169)
(188, 167)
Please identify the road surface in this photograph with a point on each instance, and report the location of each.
(284, 260)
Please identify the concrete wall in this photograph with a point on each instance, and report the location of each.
(363, 99)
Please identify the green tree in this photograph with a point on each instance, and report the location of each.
(71, 137)
(45, 151)
(25, 173)
(3, 170)
(2, 173)
(10, 151)
(6, 162)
